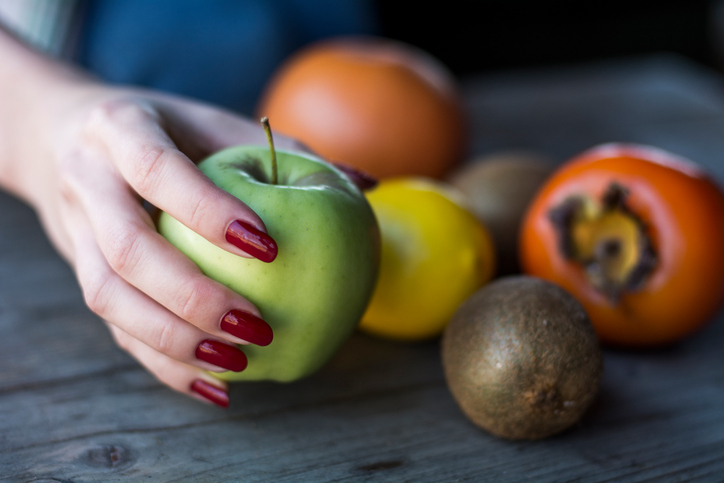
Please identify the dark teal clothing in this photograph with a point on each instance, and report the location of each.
(221, 51)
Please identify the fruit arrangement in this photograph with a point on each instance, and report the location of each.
(619, 245)
(633, 233)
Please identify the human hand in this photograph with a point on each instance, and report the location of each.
(102, 153)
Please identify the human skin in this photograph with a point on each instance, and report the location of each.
(85, 155)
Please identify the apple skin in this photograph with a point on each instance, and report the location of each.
(315, 292)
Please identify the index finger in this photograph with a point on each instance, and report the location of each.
(153, 166)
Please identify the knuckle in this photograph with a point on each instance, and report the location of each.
(169, 372)
(121, 339)
(73, 170)
(203, 208)
(110, 112)
(148, 169)
(164, 339)
(163, 373)
(194, 299)
(98, 291)
(67, 177)
(124, 249)
(110, 119)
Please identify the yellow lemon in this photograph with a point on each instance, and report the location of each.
(435, 254)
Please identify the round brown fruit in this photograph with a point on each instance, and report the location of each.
(521, 358)
(381, 106)
(498, 189)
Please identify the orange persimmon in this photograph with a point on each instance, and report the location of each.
(636, 234)
(372, 103)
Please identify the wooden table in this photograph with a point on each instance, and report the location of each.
(73, 407)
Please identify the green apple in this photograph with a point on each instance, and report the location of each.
(316, 290)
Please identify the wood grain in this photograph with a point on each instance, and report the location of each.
(75, 408)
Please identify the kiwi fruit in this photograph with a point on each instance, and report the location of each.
(521, 358)
(498, 189)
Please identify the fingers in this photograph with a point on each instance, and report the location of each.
(160, 306)
(177, 353)
(126, 240)
(216, 129)
(152, 165)
(178, 376)
(109, 296)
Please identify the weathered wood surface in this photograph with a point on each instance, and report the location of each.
(73, 407)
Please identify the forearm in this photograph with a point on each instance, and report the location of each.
(32, 86)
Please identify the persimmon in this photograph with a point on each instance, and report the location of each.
(636, 234)
(375, 104)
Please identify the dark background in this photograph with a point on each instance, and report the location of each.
(480, 36)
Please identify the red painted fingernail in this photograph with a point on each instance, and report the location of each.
(247, 327)
(222, 355)
(252, 240)
(211, 393)
(362, 179)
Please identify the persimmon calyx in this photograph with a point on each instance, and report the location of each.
(607, 239)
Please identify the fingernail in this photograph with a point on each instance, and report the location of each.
(363, 180)
(211, 393)
(252, 240)
(247, 327)
(222, 355)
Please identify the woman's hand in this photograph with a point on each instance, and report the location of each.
(86, 156)
(110, 151)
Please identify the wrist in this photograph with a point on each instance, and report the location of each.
(34, 89)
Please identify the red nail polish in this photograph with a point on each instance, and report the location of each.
(211, 393)
(362, 179)
(252, 240)
(222, 355)
(247, 327)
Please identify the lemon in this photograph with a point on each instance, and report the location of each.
(435, 254)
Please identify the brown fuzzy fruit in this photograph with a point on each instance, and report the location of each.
(498, 189)
(522, 359)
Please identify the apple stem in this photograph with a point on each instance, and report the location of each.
(272, 151)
